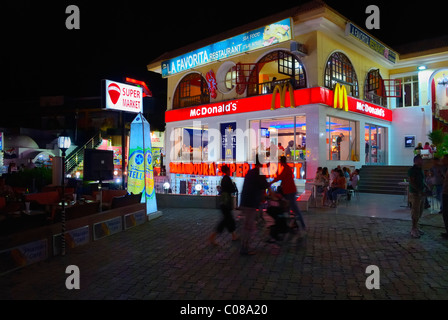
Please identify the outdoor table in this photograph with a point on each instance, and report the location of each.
(315, 185)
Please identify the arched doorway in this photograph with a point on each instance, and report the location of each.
(274, 68)
(439, 99)
(192, 90)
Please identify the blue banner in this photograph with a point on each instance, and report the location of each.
(262, 37)
(228, 141)
(140, 167)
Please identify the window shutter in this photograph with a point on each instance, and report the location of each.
(373, 80)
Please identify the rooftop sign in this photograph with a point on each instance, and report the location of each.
(354, 31)
(262, 37)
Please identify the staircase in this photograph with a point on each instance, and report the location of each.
(76, 157)
(382, 179)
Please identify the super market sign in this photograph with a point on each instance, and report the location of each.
(262, 37)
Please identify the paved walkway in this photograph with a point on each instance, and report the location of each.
(170, 258)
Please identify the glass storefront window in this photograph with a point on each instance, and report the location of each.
(375, 139)
(273, 138)
(342, 139)
(189, 144)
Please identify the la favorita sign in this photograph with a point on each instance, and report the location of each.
(262, 37)
(122, 97)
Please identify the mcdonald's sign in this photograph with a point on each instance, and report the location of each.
(281, 89)
(340, 97)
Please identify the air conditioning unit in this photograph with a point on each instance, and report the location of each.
(298, 48)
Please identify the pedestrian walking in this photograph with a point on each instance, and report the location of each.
(445, 198)
(254, 186)
(289, 189)
(417, 189)
(438, 173)
(226, 204)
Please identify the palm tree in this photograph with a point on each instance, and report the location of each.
(440, 140)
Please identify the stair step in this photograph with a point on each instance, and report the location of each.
(383, 179)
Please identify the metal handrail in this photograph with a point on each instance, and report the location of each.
(77, 155)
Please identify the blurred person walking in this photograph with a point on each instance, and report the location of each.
(254, 186)
(227, 221)
(289, 189)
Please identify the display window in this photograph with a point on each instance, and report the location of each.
(342, 139)
(273, 138)
(189, 144)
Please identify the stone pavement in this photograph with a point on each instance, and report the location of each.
(169, 258)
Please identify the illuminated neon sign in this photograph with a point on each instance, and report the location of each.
(146, 91)
(316, 95)
(236, 169)
(340, 97)
(122, 97)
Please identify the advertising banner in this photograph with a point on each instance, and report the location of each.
(228, 137)
(255, 39)
(140, 167)
(107, 228)
(23, 255)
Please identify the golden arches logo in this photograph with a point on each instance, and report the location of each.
(282, 91)
(340, 97)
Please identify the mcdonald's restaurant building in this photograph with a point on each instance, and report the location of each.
(307, 84)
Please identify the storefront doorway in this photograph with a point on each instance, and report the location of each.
(375, 138)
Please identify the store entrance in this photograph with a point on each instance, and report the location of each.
(376, 146)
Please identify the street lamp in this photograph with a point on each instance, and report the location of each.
(64, 143)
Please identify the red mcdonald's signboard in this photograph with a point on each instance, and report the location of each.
(316, 95)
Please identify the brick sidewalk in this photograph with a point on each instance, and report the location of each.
(170, 258)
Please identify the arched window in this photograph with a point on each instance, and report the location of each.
(274, 68)
(339, 69)
(191, 91)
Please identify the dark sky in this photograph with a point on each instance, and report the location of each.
(41, 57)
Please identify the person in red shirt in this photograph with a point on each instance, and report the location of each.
(338, 186)
(288, 188)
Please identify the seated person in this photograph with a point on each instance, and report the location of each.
(353, 182)
(338, 186)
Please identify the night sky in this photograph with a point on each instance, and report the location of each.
(116, 39)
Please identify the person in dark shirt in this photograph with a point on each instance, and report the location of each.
(227, 221)
(417, 188)
(253, 187)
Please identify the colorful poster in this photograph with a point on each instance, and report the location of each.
(228, 137)
(140, 167)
